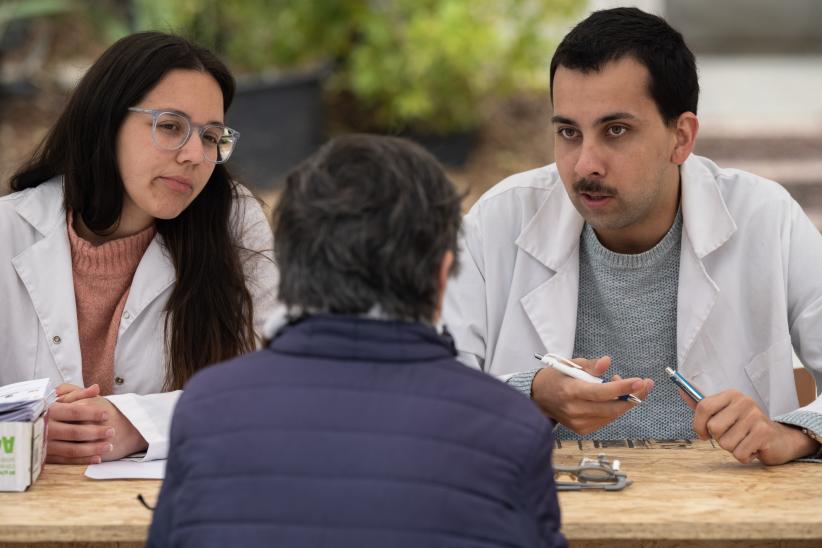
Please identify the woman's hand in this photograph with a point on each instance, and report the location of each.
(68, 393)
(85, 428)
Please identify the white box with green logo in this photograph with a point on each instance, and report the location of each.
(22, 451)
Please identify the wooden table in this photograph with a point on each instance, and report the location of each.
(692, 494)
(64, 508)
(684, 494)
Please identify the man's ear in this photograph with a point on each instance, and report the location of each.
(442, 279)
(685, 130)
(445, 271)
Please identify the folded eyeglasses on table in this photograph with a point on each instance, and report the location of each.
(598, 473)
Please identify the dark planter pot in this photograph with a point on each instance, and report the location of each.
(347, 115)
(281, 122)
(13, 39)
(452, 149)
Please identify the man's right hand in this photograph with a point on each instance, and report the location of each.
(584, 407)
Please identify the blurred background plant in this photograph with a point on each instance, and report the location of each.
(254, 35)
(18, 10)
(427, 65)
(15, 18)
(431, 65)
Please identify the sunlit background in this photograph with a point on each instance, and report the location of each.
(467, 78)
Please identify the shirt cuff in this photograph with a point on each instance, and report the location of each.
(151, 416)
(805, 419)
(522, 381)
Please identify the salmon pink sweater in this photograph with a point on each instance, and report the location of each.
(102, 279)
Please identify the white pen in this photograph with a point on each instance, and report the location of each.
(569, 368)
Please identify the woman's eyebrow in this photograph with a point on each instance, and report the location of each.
(183, 113)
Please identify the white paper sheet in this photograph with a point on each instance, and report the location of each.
(126, 469)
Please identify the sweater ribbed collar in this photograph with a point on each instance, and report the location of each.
(112, 258)
(593, 247)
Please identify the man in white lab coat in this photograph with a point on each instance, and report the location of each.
(631, 248)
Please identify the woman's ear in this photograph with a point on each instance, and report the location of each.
(685, 130)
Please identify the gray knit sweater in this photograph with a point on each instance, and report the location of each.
(627, 310)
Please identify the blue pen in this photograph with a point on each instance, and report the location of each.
(569, 368)
(686, 386)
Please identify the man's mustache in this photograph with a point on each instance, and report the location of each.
(593, 187)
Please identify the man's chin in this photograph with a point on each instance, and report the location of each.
(601, 220)
(597, 217)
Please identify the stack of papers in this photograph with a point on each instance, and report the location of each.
(127, 469)
(25, 401)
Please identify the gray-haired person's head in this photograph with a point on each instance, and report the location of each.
(366, 223)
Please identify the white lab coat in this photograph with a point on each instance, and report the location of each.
(38, 316)
(750, 282)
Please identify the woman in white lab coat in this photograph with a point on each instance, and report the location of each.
(130, 259)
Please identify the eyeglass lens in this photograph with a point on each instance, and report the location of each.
(171, 132)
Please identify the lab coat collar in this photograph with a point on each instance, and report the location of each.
(552, 235)
(42, 207)
(706, 218)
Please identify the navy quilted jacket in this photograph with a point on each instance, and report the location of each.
(352, 432)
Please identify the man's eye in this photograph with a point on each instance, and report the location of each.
(616, 131)
(567, 132)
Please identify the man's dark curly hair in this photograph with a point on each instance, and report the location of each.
(610, 35)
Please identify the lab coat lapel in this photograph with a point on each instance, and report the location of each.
(153, 276)
(552, 239)
(40, 267)
(707, 225)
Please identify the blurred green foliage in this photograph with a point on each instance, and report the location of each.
(255, 35)
(425, 65)
(431, 64)
(14, 10)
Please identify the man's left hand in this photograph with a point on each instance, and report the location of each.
(737, 423)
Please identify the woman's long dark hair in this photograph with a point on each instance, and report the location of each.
(209, 313)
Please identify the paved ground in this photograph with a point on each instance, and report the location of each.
(765, 95)
(764, 114)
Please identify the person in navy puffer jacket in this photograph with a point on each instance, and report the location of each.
(356, 426)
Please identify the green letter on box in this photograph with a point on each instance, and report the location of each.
(8, 444)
